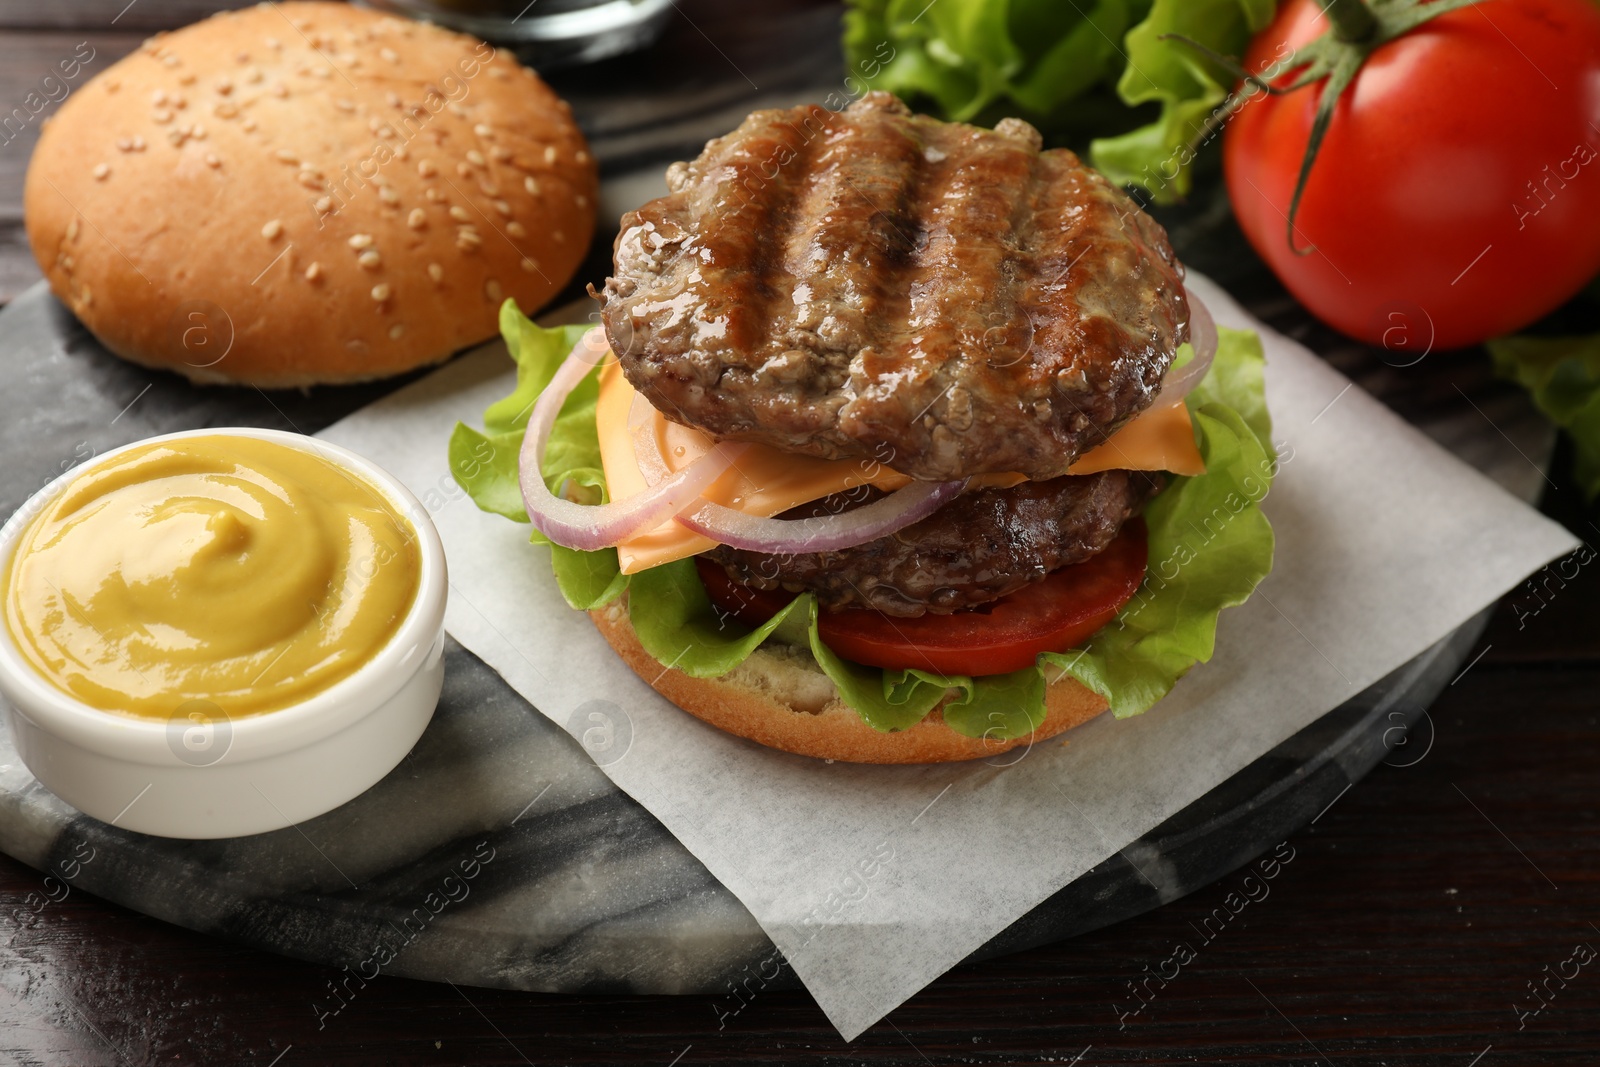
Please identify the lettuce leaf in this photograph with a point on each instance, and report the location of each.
(484, 462)
(1188, 86)
(1051, 61)
(1563, 376)
(1209, 547)
(679, 625)
(1210, 544)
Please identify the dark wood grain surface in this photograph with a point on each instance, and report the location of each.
(1412, 925)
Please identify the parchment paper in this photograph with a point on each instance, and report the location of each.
(873, 881)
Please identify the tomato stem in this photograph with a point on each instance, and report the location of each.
(1353, 21)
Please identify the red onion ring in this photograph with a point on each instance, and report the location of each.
(822, 533)
(1203, 336)
(590, 527)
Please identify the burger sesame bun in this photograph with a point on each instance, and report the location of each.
(307, 192)
(780, 698)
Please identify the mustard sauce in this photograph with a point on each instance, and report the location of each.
(229, 569)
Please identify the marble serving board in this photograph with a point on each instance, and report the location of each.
(573, 886)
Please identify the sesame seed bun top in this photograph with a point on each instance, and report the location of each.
(307, 192)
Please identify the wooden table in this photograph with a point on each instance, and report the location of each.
(1408, 928)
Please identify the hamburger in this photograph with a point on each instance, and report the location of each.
(901, 441)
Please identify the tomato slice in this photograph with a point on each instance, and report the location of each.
(1007, 635)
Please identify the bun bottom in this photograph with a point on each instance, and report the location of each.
(780, 698)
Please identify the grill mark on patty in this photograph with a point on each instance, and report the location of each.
(845, 275)
(920, 400)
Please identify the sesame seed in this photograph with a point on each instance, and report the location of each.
(370, 259)
(387, 194)
(323, 72)
(559, 236)
(503, 207)
(464, 170)
(467, 240)
(178, 136)
(242, 57)
(226, 110)
(344, 105)
(581, 200)
(254, 75)
(224, 86)
(434, 196)
(101, 171)
(460, 214)
(361, 240)
(271, 230)
(161, 117)
(198, 133)
(396, 332)
(310, 180)
(286, 156)
(249, 125)
(394, 99)
(274, 44)
(381, 292)
(279, 89)
(138, 144)
(113, 86)
(66, 263)
(475, 157)
(87, 296)
(212, 161)
(491, 290)
(389, 54)
(179, 102)
(124, 145)
(436, 272)
(482, 130)
(489, 188)
(529, 265)
(171, 60)
(417, 219)
(313, 272)
(516, 229)
(72, 229)
(498, 74)
(158, 97)
(531, 185)
(549, 153)
(499, 153)
(580, 156)
(426, 168)
(324, 205)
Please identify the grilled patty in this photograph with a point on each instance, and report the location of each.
(944, 299)
(977, 548)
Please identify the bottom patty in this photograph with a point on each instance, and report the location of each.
(977, 548)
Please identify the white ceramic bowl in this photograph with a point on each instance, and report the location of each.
(206, 779)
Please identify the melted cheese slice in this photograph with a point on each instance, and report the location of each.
(765, 481)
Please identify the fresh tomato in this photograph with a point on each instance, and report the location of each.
(1049, 616)
(1456, 196)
